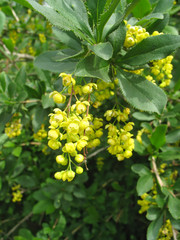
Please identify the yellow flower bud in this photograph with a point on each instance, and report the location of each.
(53, 133)
(58, 175)
(79, 158)
(60, 159)
(79, 170)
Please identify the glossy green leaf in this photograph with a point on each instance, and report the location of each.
(158, 136)
(152, 213)
(43, 206)
(141, 93)
(153, 229)
(2, 21)
(93, 66)
(45, 61)
(47, 102)
(143, 116)
(117, 37)
(140, 169)
(96, 8)
(105, 17)
(21, 77)
(150, 17)
(24, 3)
(174, 206)
(173, 136)
(142, 8)
(159, 24)
(151, 48)
(102, 50)
(11, 89)
(144, 184)
(66, 54)
(67, 38)
(163, 6)
(167, 155)
(17, 151)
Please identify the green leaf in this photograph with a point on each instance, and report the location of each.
(26, 234)
(174, 206)
(11, 89)
(18, 169)
(3, 81)
(145, 7)
(139, 148)
(93, 66)
(47, 102)
(140, 169)
(9, 44)
(149, 18)
(158, 136)
(45, 61)
(96, 8)
(163, 6)
(141, 93)
(102, 50)
(144, 184)
(62, 14)
(143, 116)
(17, 151)
(152, 213)
(67, 38)
(21, 77)
(117, 37)
(66, 54)
(154, 227)
(173, 136)
(2, 21)
(26, 181)
(170, 155)
(105, 17)
(159, 24)
(43, 206)
(151, 48)
(74, 12)
(24, 3)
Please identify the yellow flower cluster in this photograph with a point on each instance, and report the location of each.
(40, 134)
(120, 140)
(100, 163)
(74, 129)
(42, 38)
(104, 91)
(17, 194)
(13, 128)
(139, 134)
(165, 232)
(13, 36)
(160, 70)
(147, 200)
(134, 35)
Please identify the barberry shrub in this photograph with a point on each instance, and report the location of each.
(100, 107)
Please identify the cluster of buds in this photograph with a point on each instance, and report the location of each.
(140, 133)
(16, 194)
(147, 200)
(134, 35)
(13, 128)
(161, 70)
(104, 91)
(73, 130)
(41, 133)
(165, 232)
(119, 138)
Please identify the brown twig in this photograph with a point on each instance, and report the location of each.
(155, 170)
(19, 223)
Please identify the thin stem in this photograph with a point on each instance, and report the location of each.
(19, 223)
